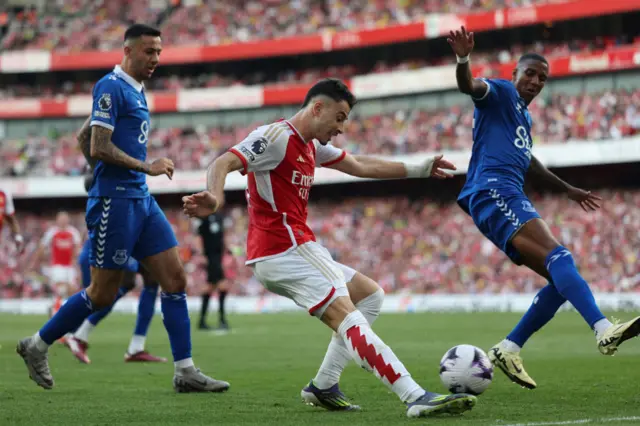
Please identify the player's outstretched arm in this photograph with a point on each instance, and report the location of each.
(462, 44)
(586, 199)
(102, 149)
(84, 142)
(375, 168)
(208, 202)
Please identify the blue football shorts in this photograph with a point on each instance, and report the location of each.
(85, 266)
(122, 228)
(499, 213)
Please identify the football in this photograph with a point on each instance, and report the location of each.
(466, 369)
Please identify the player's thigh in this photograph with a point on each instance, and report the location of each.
(359, 285)
(114, 226)
(85, 268)
(500, 214)
(534, 241)
(156, 233)
(166, 268)
(307, 275)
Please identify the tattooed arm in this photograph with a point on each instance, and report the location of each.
(84, 142)
(101, 148)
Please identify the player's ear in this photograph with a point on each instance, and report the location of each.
(514, 74)
(317, 107)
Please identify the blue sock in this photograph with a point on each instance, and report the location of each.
(68, 318)
(146, 309)
(544, 306)
(96, 317)
(571, 285)
(176, 321)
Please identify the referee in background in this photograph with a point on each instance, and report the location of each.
(211, 230)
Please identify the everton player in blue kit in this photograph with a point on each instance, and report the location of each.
(123, 219)
(78, 343)
(493, 196)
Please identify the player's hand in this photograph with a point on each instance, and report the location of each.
(201, 204)
(461, 42)
(163, 166)
(19, 242)
(587, 200)
(438, 168)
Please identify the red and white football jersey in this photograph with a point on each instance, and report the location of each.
(6, 206)
(62, 243)
(280, 167)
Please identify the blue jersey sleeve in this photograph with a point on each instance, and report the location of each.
(496, 90)
(107, 99)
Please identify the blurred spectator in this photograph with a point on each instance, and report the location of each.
(310, 75)
(558, 118)
(76, 25)
(407, 246)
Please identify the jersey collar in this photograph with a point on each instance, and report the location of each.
(126, 77)
(292, 127)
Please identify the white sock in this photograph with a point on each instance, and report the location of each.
(510, 346)
(334, 362)
(137, 344)
(601, 326)
(40, 344)
(337, 356)
(184, 363)
(84, 330)
(372, 354)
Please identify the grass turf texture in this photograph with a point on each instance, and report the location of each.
(269, 358)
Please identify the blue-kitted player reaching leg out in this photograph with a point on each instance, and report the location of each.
(123, 219)
(493, 196)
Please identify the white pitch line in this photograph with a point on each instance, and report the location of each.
(575, 422)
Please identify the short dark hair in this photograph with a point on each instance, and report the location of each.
(333, 88)
(139, 30)
(534, 57)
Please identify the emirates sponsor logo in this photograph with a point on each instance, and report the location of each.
(579, 64)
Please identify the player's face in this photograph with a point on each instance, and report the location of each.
(330, 119)
(529, 78)
(145, 56)
(62, 219)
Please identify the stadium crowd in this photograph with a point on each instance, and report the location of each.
(558, 118)
(17, 89)
(76, 25)
(408, 246)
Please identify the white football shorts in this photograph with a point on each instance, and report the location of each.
(308, 275)
(62, 274)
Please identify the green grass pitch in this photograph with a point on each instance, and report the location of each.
(269, 358)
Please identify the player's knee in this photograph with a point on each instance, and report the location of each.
(101, 296)
(371, 305)
(177, 281)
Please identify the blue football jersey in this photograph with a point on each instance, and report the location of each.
(502, 143)
(119, 104)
